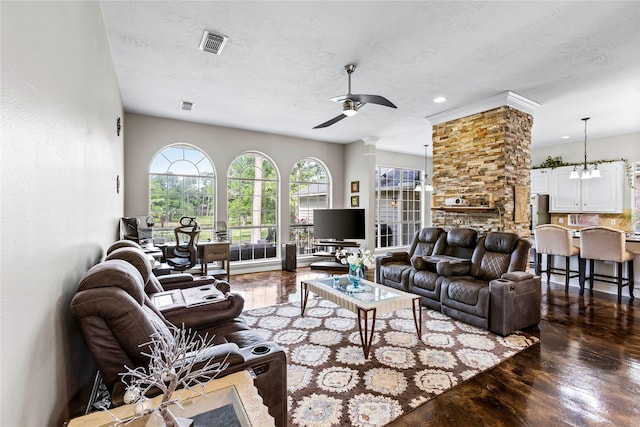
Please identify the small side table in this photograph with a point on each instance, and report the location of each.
(215, 252)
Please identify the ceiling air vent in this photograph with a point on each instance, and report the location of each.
(212, 43)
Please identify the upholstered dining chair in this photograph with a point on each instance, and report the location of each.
(555, 240)
(605, 244)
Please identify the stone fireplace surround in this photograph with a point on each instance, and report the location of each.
(485, 158)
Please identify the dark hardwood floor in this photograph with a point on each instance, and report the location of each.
(584, 372)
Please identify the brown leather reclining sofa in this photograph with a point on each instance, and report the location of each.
(116, 317)
(482, 281)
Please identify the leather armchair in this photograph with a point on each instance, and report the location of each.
(199, 305)
(117, 319)
(425, 279)
(493, 291)
(153, 284)
(393, 269)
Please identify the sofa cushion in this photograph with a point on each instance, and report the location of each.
(425, 279)
(465, 290)
(501, 242)
(393, 271)
(493, 265)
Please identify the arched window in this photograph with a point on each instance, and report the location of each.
(309, 189)
(397, 212)
(181, 183)
(252, 207)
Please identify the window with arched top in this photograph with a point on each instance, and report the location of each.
(181, 183)
(252, 207)
(309, 189)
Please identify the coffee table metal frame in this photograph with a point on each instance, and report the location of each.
(377, 299)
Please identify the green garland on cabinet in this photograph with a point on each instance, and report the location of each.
(556, 162)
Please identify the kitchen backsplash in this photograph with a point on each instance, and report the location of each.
(621, 221)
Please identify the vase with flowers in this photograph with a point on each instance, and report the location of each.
(357, 262)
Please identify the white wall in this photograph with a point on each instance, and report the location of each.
(146, 136)
(59, 208)
(613, 148)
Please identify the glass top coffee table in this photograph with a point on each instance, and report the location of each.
(367, 300)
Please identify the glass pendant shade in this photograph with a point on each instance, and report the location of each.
(424, 184)
(574, 174)
(585, 172)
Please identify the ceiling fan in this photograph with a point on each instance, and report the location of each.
(351, 103)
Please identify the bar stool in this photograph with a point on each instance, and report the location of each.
(555, 240)
(605, 244)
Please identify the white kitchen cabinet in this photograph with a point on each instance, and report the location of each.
(564, 193)
(540, 181)
(604, 194)
(596, 195)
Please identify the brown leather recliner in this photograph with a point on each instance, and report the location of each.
(122, 249)
(494, 292)
(197, 307)
(393, 269)
(117, 318)
(424, 279)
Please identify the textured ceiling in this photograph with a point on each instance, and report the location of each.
(284, 60)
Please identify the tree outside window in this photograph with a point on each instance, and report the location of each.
(309, 189)
(181, 183)
(252, 200)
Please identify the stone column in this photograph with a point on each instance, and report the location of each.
(484, 157)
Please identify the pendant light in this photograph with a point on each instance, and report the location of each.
(425, 185)
(585, 172)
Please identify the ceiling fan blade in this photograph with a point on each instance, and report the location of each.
(372, 99)
(330, 122)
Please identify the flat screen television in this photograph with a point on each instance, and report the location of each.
(338, 224)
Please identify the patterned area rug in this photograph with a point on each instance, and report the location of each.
(331, 384)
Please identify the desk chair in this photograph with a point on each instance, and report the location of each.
(605, 244)
(185, 253)
(554, 240)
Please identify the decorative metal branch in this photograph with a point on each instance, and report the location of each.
(173, 359)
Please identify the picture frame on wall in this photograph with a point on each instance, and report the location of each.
(355, 186)
(355, 201)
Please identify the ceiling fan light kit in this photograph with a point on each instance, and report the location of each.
(349, 108)
(351, 103)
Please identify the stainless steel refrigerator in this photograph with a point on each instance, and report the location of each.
(539, 210)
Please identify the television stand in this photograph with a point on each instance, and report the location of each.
(330, 247)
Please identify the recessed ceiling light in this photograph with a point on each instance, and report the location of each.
(566, 137)
(439, 99)
(185, 105)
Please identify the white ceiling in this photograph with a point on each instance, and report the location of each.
(284, 60)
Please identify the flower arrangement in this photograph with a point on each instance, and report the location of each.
(356, 258)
